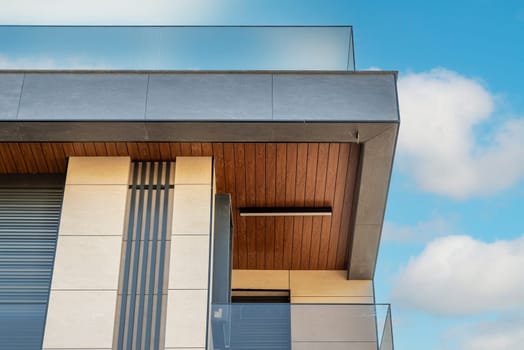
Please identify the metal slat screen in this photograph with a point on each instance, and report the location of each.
(29, 219)
(145, 258)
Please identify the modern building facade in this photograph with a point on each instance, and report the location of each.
(193, 208)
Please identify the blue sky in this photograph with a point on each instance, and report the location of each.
(453, 242)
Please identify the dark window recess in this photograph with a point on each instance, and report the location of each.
(260, 296)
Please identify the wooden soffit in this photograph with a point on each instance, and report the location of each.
(256, 175)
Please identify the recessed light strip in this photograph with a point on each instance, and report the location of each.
(286, 211)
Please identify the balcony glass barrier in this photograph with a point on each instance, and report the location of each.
(304, 326)
(176, 48)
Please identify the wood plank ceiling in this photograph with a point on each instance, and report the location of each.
(256, 175)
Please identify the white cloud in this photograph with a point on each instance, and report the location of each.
(438, 146)
(458, 275)
(421, 232)
(502, 334)
(110, 11)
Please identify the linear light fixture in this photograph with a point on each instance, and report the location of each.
(286, 211)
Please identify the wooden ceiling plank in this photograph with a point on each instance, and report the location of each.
(320, 191)
(174, 149)
(297, 164)
(249, 159)
(132, 148)
(291, 175)
(196, 149)
(78, 149)
(218, 152)
(27, 154)
(271, 159)
(207, 149)
(18, 160)
(44, 164)
(185, 149)
(165, 152)
(143, 151)
(6, 162)
(111, 149)
(229, 174)
(260, 199)
(347, 210)
(280, 200)
(51, 158)
(90, 149)
(238, 178)
(122, 149)
(331, 178)
(309, 197)
(100, 149)
(60, 156)
(336, 218)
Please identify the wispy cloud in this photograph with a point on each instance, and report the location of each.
(502, 332)
(421, 232)
(459, 275)
(438, 147)
(110, 11)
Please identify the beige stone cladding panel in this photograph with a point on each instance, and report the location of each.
(193, 171)
(93, 210)
(328, 284)
(84, 286)
(260, 279)
(189, 264)
(186, 318)
(192, 209)
(98, 170)
(188, 295)
(80, 319)
(87, 263)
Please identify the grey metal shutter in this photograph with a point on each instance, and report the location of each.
(29, 219)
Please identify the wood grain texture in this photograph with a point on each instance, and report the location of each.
(255, 174)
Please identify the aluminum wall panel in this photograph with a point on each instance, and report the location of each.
(331, 97)
(209, 97)
(83, 97)
(10, 89)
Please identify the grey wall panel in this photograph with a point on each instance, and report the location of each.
(10, 87)
(222, 250)
(333, 323)
(83, 97)
(209, 97)
(343, 97)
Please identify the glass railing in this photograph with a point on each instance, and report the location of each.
(176, 48)
(304, 326)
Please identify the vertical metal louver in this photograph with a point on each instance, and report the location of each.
(29, 219)
(146, 242)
